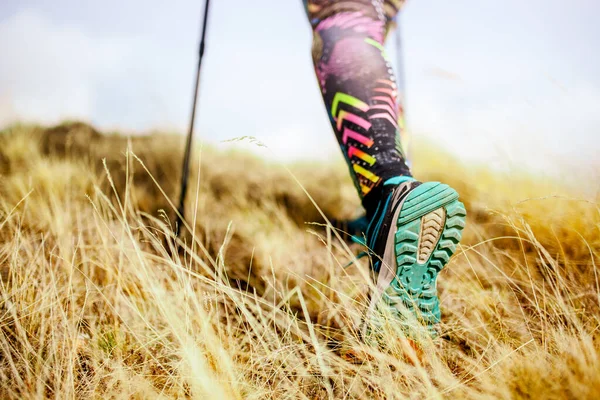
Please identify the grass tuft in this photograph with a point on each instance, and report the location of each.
(99, 299)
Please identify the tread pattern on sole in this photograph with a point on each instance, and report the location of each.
(414, 286)
(431, 226)
(424, 199)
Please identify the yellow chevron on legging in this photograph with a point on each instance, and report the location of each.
(379, 46)
(347, 99)
(367, 174)
(355, 152)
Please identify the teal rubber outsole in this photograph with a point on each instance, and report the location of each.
(423, 247)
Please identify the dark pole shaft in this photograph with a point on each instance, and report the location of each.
(400, 78)
(188, 144)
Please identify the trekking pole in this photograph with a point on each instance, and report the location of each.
(188, 144)
(400, 72)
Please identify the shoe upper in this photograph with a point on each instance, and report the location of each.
(382, 219)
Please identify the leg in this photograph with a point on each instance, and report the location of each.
(413, 227)
(359, 89)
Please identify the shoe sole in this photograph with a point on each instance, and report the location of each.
(429, 227)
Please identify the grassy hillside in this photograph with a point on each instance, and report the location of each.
(97, 298)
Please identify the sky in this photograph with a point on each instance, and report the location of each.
(507, 83)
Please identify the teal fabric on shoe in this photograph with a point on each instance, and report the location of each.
(398, 180)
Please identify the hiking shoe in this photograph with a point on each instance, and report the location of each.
(411, 237)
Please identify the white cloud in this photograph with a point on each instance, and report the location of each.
(50, 72)
(257, 80)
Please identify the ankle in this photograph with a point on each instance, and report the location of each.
(381, 192)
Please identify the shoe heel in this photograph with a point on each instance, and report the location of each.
(429, 229)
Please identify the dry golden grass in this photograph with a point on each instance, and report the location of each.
(98, 300)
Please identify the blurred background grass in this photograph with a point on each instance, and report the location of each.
(98, 299)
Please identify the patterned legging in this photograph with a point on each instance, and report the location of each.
(359, 86)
